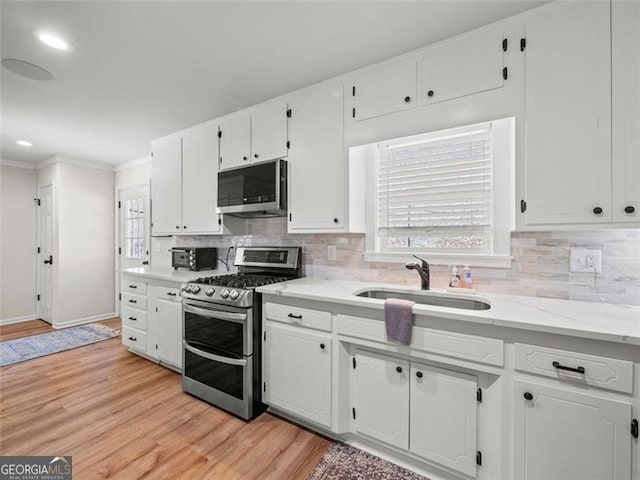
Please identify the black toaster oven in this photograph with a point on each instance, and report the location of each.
(194, 258)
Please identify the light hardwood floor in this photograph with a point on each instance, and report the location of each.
(124, 417)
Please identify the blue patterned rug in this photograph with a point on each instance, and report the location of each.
(21, 349)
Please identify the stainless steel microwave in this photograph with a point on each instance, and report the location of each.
(254, 191)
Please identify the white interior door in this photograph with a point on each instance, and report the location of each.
(133, 217)
(45, 254)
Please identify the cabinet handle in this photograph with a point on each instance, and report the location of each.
(629, 209)
(407, 99)
(430, 93)
(245, 158)
(597, 211)
(184, 226)
(528, 396)
(399, 369)
(291, 315)
(172, 294)
(131, 300)
(133, 319)
(255, 155)
(571, 369)
(178, 227)
(322, 346)
(335, 220)
(133, 339)
(419, 374)
(133, 286)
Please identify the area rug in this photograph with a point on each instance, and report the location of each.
(342, 462)
(21, 349)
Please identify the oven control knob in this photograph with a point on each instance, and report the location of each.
(233, 294)
(188, 288)
(224, 293)
(183, 288)
(209, 292)
(195, 289)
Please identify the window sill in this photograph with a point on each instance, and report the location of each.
(472, 260)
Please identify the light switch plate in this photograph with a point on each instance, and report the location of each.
(583, 260)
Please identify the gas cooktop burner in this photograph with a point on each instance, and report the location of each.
(240, 280)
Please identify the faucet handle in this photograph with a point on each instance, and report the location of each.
(424, 262)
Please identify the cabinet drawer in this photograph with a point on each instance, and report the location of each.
(169, 293)
(134, 286)
(134, 339)
(453, 344)
(134, 318)
(299, 316)
(135, 301)
(595, 371)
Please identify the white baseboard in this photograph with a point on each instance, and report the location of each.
(24, 318)
(81, 321)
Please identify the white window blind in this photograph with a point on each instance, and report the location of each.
(434, 191)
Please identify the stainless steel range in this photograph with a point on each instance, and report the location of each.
(222, 325)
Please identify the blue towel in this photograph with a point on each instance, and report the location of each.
(398, 319)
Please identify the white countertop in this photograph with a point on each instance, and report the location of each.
(599, 321)
(171, 275)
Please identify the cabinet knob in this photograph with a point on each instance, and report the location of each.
(255, 155)
(399, 369)
(629, 209)
(430, 93)
(597, 211)
(322, 346)
(407, 99)
(178, 227)
(419, 374)
(528, 396)
(245, 158)
(335, 220)
(184, 226)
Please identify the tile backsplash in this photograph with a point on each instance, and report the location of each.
(540, 264)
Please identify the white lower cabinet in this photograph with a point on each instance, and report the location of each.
(563, 434)
(297, 371)
(429, 411)
(381, 407)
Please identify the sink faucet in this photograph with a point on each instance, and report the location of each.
(423, 271)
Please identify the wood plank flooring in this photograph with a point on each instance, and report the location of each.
(123, 417)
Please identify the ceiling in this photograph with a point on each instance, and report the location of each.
(144, 69)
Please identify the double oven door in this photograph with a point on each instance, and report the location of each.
(217, 354)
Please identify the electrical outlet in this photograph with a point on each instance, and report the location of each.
(331, 253)
(583, 260)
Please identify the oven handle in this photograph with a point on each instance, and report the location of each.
(215, 358)
(239, 317)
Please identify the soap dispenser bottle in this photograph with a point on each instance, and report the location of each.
(455, 278)
(467, 282)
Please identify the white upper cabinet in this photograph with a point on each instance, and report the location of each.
(626, 111)
(184, 180)
(256, 136)
(317, 162)
(166, 186)
(200, 179)
(463, 67)
(568, 116)
(384, 90)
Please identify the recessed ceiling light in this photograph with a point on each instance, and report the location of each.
(26, 69)
(24, 143)
(53, 40)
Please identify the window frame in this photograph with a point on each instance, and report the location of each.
(503, 205)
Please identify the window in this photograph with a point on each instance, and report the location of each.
(134, 228)
(445, 194)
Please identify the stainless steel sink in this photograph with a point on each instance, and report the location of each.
(427, 298)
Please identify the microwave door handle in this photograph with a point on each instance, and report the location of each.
(234, 317)
(214, 357)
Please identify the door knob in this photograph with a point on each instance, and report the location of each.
(50, 261)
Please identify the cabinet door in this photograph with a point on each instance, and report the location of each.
(388, 89)
(468, 66)
(269, 132)
(297, 372)
(235, 141)
(626, 110)
(317, 162)
(568, 116)
(443, 417)
(168, 334)
(200, 179)
(381, 407)
(166, 185)
(560, 434)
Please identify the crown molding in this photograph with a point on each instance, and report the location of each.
(133, 164)
(72, 161)
(17, 164)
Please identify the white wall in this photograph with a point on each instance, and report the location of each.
(17, 244)
(133, 174)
